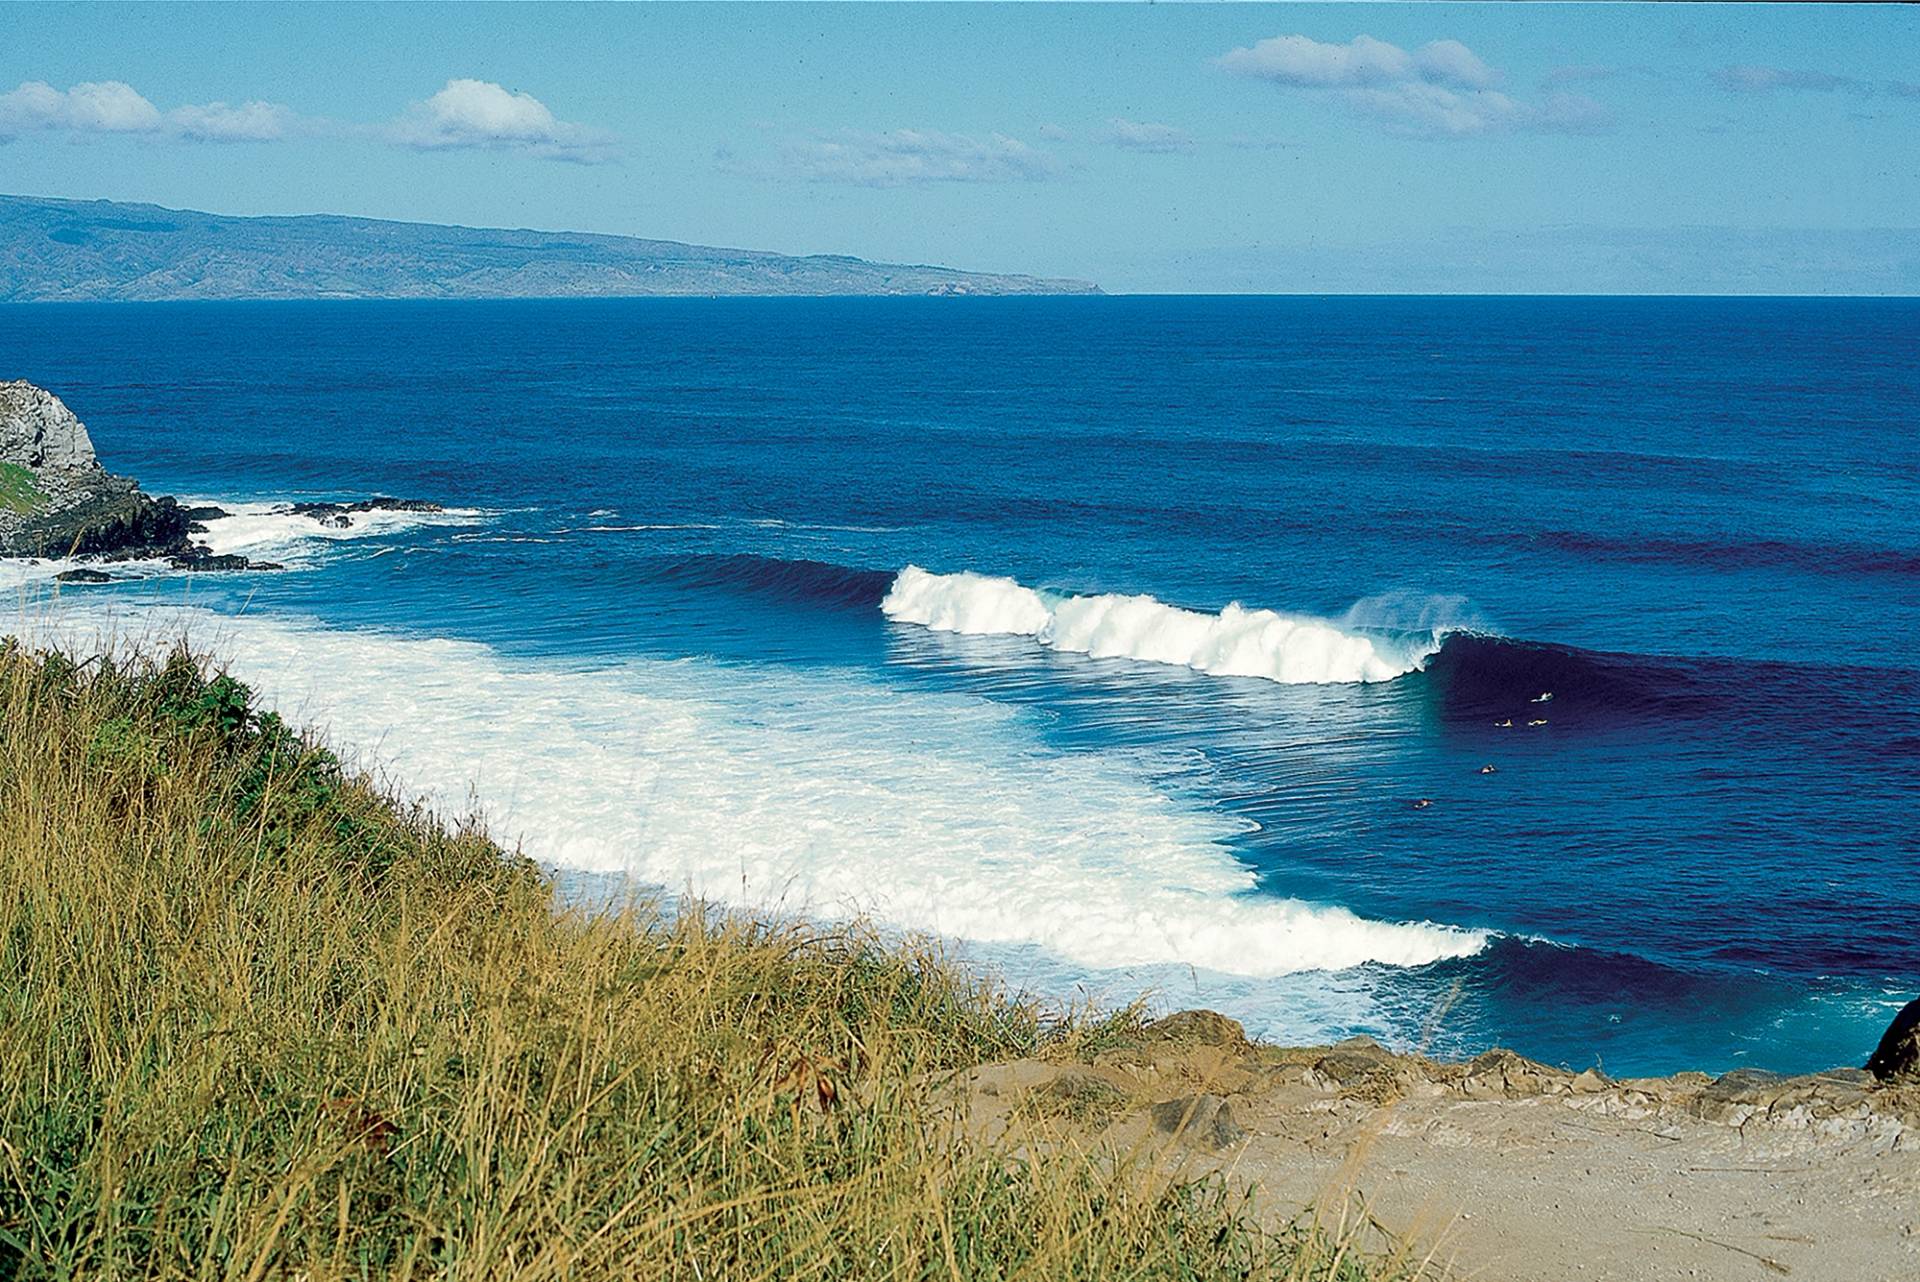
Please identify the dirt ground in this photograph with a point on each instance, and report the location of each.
(1506, 1170)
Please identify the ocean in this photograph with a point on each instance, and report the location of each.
(1117, 642)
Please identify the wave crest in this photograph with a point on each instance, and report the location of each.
(1292, 649)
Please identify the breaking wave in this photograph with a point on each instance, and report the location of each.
(1293, 649)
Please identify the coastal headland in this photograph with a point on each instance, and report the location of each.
(58, 503)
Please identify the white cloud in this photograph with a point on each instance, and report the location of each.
(217, 122)
(115, 107)
(1449, 62)
(105, 107)
(1441, 90)
(1305, 63)
(481, 114)
(1419, 110)
(1309, 64)
(1136, 135)
(899, 157)
(1422, 109)
(465, 113)
(1054, 133)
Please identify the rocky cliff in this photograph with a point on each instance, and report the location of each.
(41, 434)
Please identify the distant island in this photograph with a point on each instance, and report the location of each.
(102, 250)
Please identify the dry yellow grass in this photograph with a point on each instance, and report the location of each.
(260, 1020)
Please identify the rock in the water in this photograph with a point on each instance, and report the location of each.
(338, 516)
(1897, 1058)
(201, 559)
(38, 432)
(83, 575)
(115, 522)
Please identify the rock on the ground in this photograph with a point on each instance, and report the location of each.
(1199, 1119)
(1205, 1027)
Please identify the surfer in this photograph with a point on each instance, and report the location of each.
(1423, 803)
(1487, 769)
(1504, 725)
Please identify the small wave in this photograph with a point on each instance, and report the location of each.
(797, 579)
(1238, 642)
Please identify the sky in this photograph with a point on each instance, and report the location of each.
(1155, 148)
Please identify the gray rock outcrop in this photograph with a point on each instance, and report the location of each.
(38, 432)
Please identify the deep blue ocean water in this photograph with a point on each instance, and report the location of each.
(656, 644)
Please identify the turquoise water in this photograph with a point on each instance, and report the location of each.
(1209, 594)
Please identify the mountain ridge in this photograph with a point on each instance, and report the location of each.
(56, 250)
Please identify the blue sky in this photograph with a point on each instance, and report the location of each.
(1167, 147)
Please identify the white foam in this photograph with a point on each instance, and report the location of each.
(810, 793)
(20, 573)
(1238, 642)
(270, 531)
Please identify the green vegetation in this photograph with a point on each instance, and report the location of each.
(260, 1020)
(18, 492)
